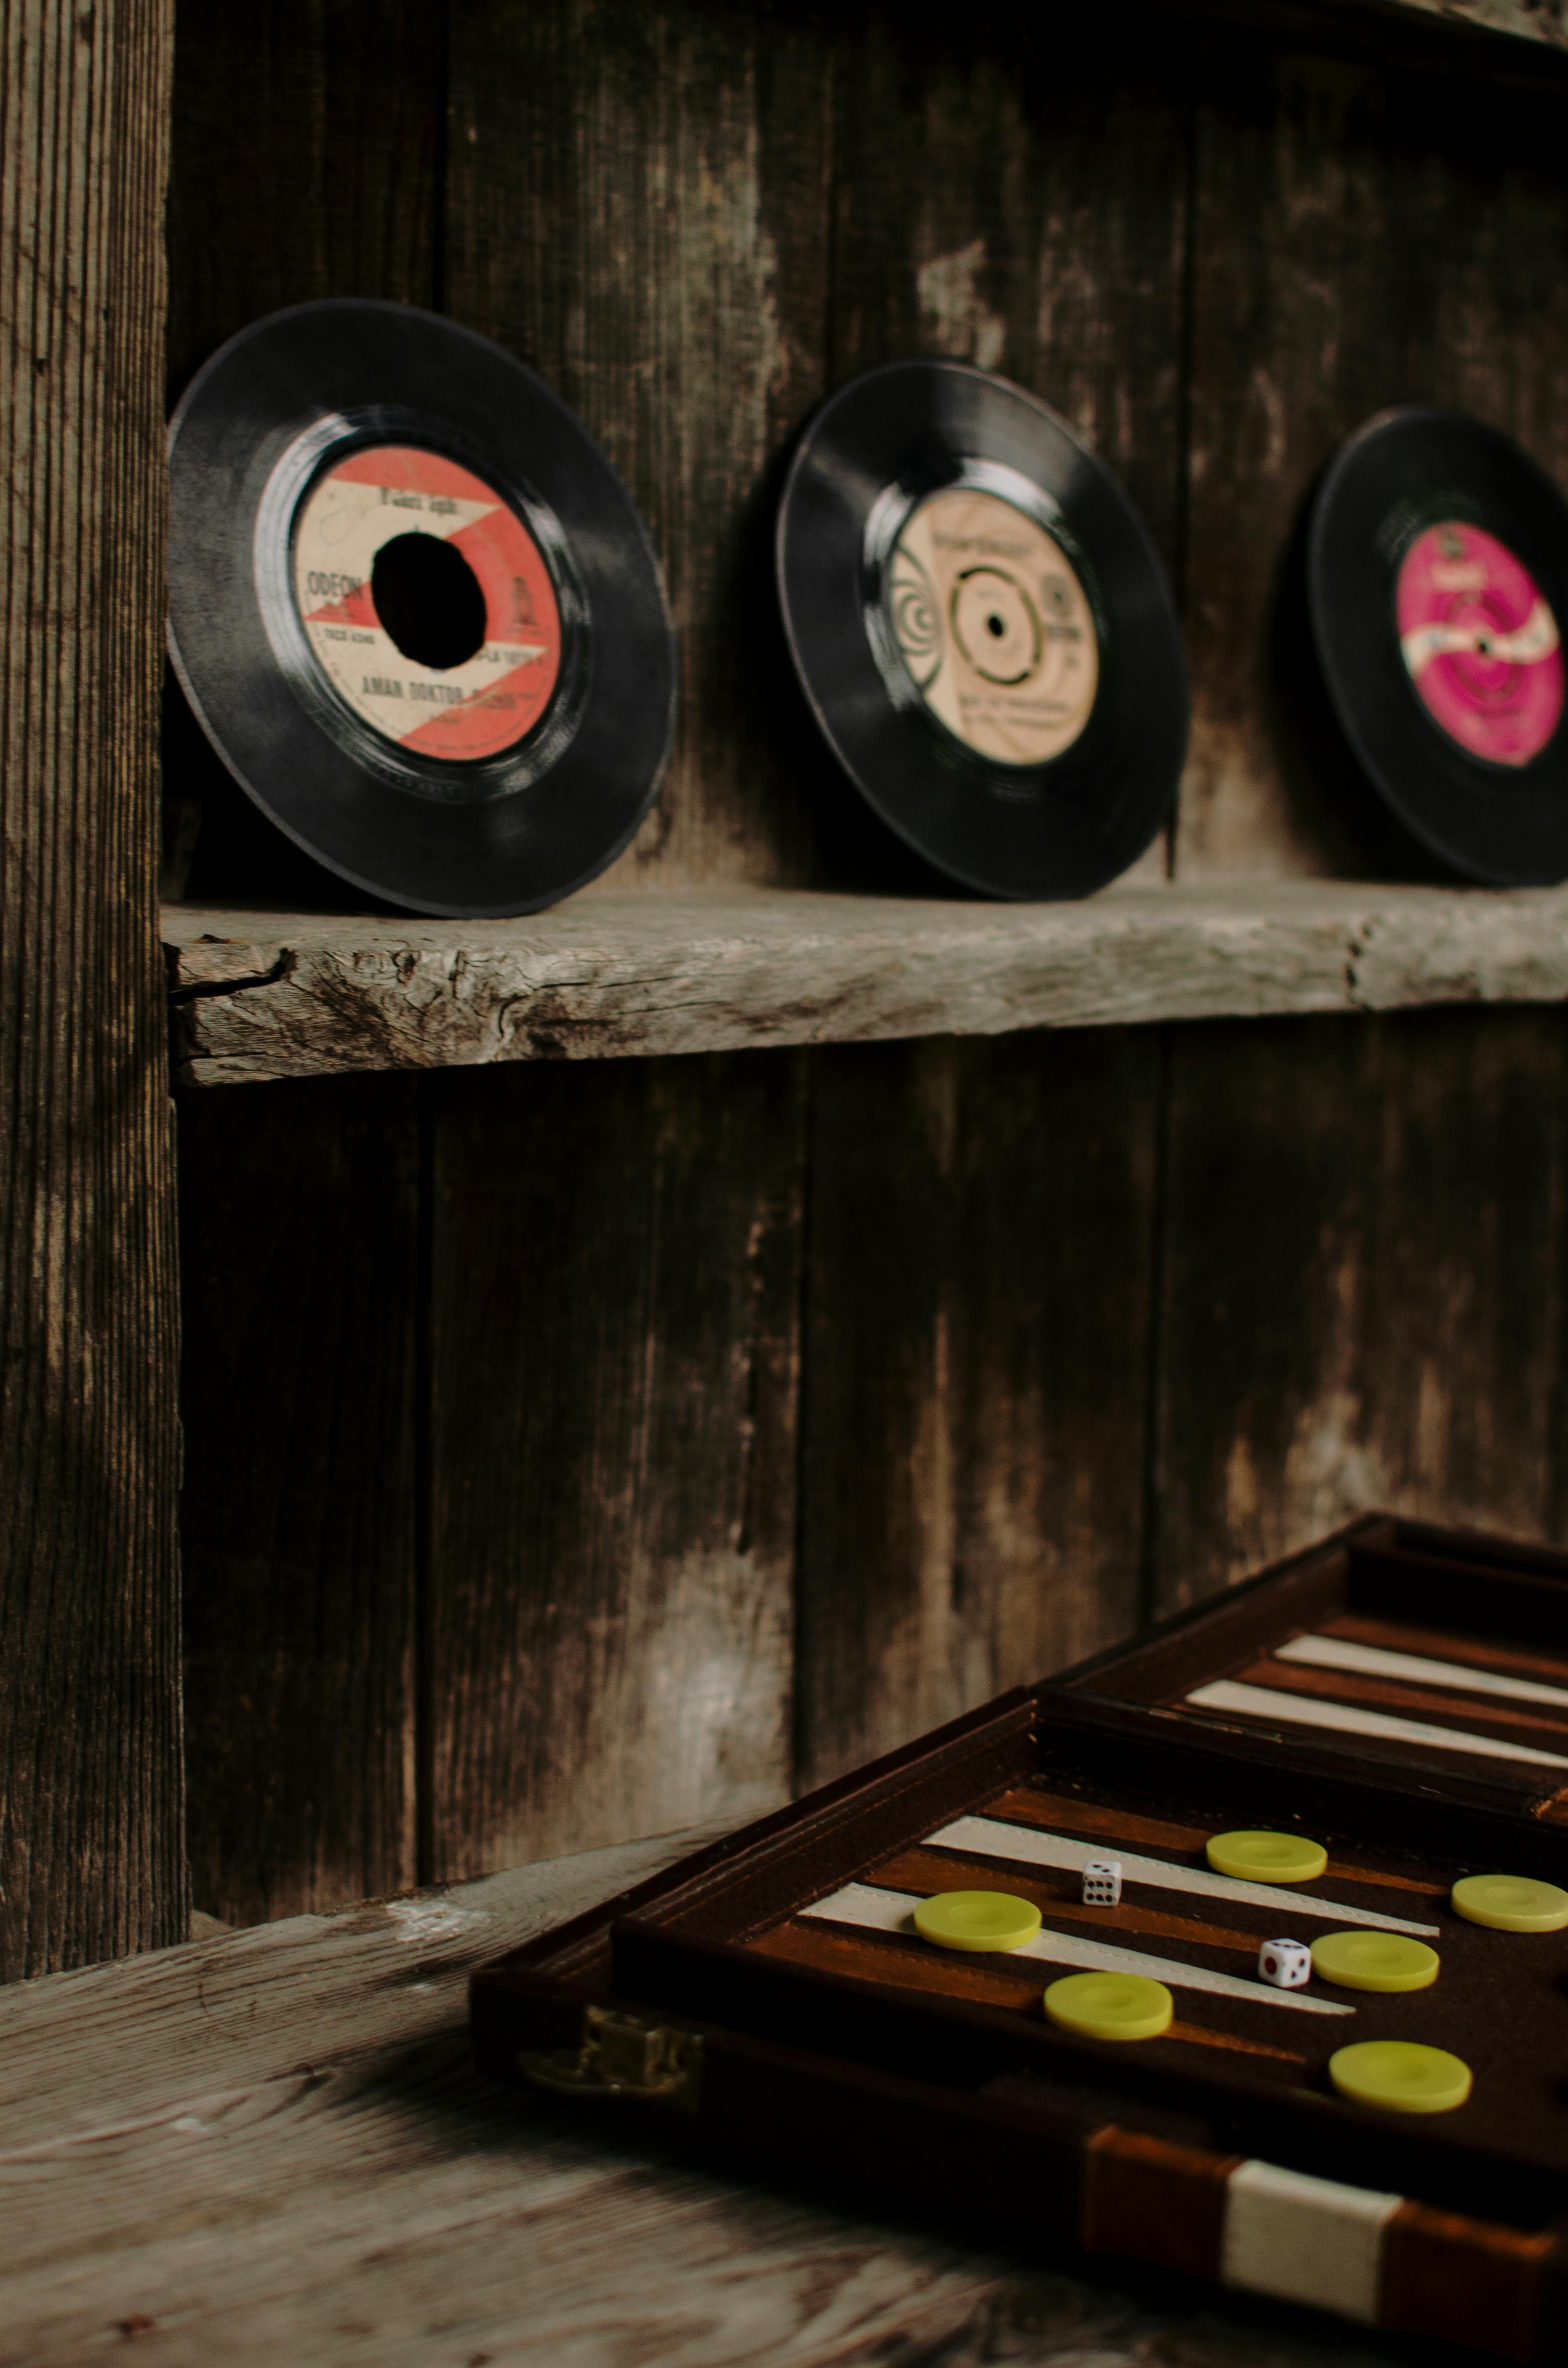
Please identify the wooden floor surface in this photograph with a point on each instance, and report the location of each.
(269, 2146)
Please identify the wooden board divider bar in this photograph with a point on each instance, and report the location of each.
(261, 995)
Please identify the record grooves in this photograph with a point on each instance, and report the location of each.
(981, 630)
(414, 608)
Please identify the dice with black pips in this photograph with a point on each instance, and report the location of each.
(1286, 1964)
(1102, 1881)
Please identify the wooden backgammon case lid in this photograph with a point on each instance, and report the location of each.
(1392, 1644)
(772, 1995)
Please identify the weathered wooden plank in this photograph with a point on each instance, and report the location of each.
(306, 163)
(639, 209)
(307, 145)
(1025, 209)
(982, 1227)
(253, 2006)
(325, 2180)
(299, 1254)
(1536, 22)
(89, 1711)
(1363, 1281)
(1029, 220)
(615, 1294)
(1499, 45)
(306, 160)
(1362, 238)
(261, 995)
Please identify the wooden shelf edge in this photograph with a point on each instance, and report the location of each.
(263, 995)
(1541, 23)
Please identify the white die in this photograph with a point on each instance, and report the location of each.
(1286, 1964)
(1102, 1881)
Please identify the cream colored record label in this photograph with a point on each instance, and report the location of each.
(464, 712)
(994, 626)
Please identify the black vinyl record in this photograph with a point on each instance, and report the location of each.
(1437, 577)
(414, 608)
(981, 630)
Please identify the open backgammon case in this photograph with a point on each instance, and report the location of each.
(1399, 1695)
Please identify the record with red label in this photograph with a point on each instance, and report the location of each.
(414, 610)
(1437, 563)
(982, 630)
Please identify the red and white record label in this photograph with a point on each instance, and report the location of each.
(466, 711)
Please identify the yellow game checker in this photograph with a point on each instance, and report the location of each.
(1400, 2075)
(1110, 2006)
(1511, 1903)
(1374, 1961)
(976, 1919)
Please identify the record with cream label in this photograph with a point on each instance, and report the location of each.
(1437, 565)
(982, 630)
(414, 610)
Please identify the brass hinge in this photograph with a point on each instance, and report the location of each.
(622, 2056)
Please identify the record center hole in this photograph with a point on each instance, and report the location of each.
(994, 625)
(428, 600)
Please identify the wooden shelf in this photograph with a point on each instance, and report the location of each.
(259, 996)
(1544, 22)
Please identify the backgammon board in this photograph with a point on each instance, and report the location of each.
(1392, 1643)
(778, 1994)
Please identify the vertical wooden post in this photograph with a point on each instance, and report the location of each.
(91, 1859)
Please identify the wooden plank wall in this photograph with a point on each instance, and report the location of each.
(90, 1811)
(575, 1451)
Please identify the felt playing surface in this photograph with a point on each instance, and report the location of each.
(1389, 1646)
(1392, 1683)
(1500, 2001)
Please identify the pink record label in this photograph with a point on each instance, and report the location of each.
(1480, 644)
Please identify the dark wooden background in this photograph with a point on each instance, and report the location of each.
(90, 1764)
(574, 1450)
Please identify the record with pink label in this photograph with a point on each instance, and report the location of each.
(1437, 581)
(414, 608)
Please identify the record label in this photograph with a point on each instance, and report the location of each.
(1480, 643)
(461, 700)
(994, 626)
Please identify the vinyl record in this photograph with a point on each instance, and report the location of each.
(414, 608)
(1437, 566)
(982, 630)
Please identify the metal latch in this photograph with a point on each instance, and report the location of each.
(622, 2056)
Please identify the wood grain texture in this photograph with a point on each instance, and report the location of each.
(299, 1250)
(980, 1231)
(89, 1713)
(639, 211)
(1018, 200)
(1527, 20)
(307, 162)
(1029, 220)
(615, 1295)
(307, 149)
(325, 2180)
(1362, 238)
(1542, 22)
(262, 996)
(1363, 1282)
